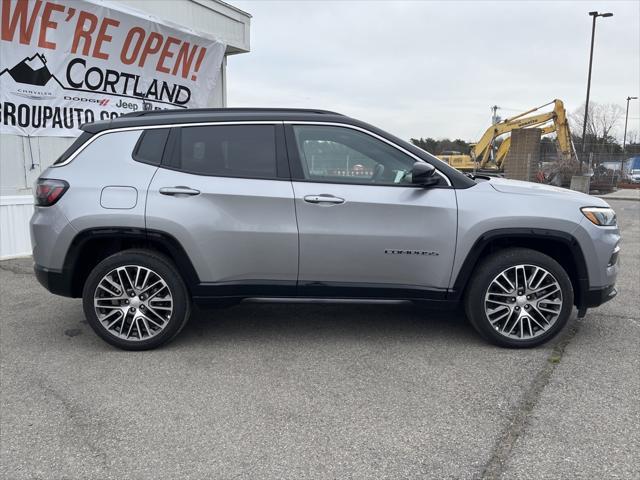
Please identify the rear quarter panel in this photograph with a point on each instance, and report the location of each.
(106, 163)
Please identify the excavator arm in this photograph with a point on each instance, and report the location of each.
(481, 151)
(553, 121)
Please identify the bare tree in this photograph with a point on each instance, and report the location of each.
(603, 119)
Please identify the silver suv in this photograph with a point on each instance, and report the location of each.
(152, 212)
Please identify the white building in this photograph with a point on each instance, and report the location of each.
(22, 158)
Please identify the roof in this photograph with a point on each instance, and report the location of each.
(228, 5)
(230, 110)
(209, 18)
(195, 115)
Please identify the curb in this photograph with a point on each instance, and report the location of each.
(630, 199)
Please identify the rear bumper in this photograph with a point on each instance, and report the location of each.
(56, 281)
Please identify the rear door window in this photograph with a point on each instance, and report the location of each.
(247, 151)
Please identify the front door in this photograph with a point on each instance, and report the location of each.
(362, 224)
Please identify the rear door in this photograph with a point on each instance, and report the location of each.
(225, 194)
(363, 226)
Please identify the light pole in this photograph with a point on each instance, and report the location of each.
(586, 105)
(624, 138)
(626, 119)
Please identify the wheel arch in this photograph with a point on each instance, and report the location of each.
(561, 246)
(91, 246)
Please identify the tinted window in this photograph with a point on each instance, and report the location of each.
(339, 154)
(151, 145)
(84, 136)
(227, 150)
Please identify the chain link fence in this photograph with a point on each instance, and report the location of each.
(607, 167)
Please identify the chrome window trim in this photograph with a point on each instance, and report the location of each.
(152, 127)
(368, 132)
(244, 122)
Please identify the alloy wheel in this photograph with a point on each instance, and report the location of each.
(133, 303)
(523, 302)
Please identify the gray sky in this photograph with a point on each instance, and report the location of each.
(434, 68)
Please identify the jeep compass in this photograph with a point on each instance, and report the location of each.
(155, 211)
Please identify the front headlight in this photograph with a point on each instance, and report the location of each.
(601, 216)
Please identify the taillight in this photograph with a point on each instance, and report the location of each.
(49, 191)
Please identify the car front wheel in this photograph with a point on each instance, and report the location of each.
(519, 298)
(136, 300)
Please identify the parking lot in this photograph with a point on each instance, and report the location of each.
(319, 391)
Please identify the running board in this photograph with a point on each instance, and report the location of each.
(350, 301)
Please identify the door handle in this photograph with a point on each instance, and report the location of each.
(323, 198)
(180, 190)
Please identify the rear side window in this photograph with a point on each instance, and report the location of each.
(226, 150)
(84, 136)
(150, 147)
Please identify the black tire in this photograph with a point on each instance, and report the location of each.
(489, 269)
(164, 268)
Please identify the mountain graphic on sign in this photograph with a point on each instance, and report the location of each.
(31, 71)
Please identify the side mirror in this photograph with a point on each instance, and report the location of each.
(423, 174)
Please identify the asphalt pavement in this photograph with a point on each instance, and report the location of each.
(319, 391)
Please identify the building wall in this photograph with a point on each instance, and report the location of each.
(220, 19)
(22, 159)
(15, 212)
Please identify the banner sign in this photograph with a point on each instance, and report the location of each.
(67, 62)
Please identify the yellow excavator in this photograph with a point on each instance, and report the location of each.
(480, 158)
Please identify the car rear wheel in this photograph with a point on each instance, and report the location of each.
(519, 298)
(136, 300)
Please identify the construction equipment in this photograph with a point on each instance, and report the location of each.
(555, 120)
(458, 160)
(482, 152)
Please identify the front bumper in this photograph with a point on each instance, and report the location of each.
(596, 297)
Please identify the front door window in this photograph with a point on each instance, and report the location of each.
(337, 154)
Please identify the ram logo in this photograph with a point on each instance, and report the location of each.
(395, 251)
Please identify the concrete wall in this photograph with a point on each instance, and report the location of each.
(521, 163)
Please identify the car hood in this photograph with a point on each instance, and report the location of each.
(529, 188)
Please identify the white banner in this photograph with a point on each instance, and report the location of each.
(67, 62)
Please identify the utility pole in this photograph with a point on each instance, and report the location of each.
(494, 116)
(626, 119)
(494, 119)
(624, 138)
(586, 105)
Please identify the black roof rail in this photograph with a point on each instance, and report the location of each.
(228, 110)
